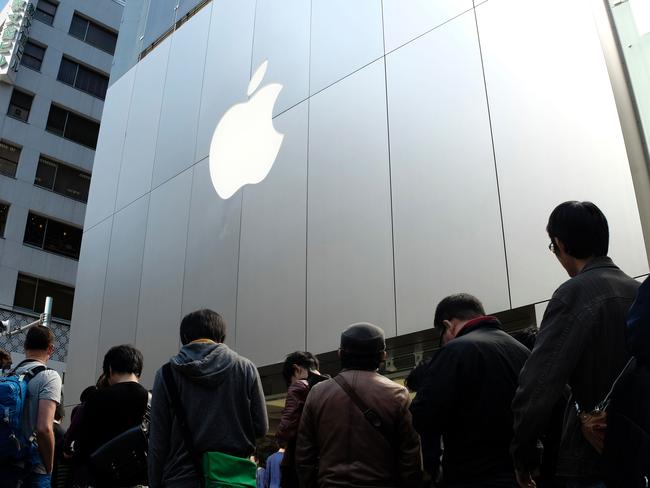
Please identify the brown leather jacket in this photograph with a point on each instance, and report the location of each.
(337, 446)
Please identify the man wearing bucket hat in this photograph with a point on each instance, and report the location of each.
(356, 428)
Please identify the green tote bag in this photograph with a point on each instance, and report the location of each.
(223, 470)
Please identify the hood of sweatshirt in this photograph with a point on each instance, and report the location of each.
(204, 363)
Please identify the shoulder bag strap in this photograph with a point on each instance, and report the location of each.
(369, 414)
(179, 411)
(30, 373)
(605, 403)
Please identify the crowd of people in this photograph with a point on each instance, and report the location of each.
(567, 405)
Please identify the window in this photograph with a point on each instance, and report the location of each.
(33, 56)
(51, 235)
(72, 126)
(62, 179)
(45, 11)
(4, 211)
(9, 156)
(92, 33)
(20, 105)
(85, 79)
(31, 292)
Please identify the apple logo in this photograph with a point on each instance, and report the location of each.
(245, 143)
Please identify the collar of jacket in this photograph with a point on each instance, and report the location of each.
(599, 262)
(479, 323)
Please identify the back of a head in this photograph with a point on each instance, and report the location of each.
(581, 227)
(39, 338)
(124, 359)
(527, 336)
(203, 324)
(59, 412)
(362, 347)
(5, 359)
(461, 306)
(304, 359)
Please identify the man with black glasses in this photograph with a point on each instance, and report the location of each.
(465, 395)
(581, 343)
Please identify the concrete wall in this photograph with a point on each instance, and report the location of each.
(425, 146)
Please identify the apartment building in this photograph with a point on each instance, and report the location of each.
(54, 74)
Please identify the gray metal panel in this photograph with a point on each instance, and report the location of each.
(179, 117)
(349, 249)
(212, 251)
(161, 288)
(142, 129)
(404, 21)
(271, 294)
(108, 156)
(228, 65)
(160, 17)
(184, 6)
(87, 311)
(447, 223)
(122, 292)
(282, 38)
(556, 138)
(344, 37)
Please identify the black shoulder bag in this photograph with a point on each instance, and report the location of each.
(122, 461)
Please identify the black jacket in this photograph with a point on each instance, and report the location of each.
(581, 343)
(466, 397)
(627, 438)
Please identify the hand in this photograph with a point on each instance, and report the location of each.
(525, 479)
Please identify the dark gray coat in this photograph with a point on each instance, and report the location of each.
(222, 395)
(581, 343)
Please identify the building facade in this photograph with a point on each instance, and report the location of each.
(51, 101)
(425, 144)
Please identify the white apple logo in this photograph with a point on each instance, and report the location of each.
(245, 143)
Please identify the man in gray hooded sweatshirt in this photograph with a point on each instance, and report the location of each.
(221, 395)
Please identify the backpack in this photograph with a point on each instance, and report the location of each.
(14, 444)
(122, 461)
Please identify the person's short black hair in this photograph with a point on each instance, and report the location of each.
(38, 338)
(124, 359)
(526, 336)
(581, 227)
(59, 412)
(5, 359)
(461, 306)
(366, 362)
(416, 377)
(87, 393)
(203, 324)
(299, 358)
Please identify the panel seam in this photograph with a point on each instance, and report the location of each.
(311, 17)
(494, 156)
(390, 169)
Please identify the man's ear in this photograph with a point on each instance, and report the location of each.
(50, 349)
(384, 355)
(339, 353)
